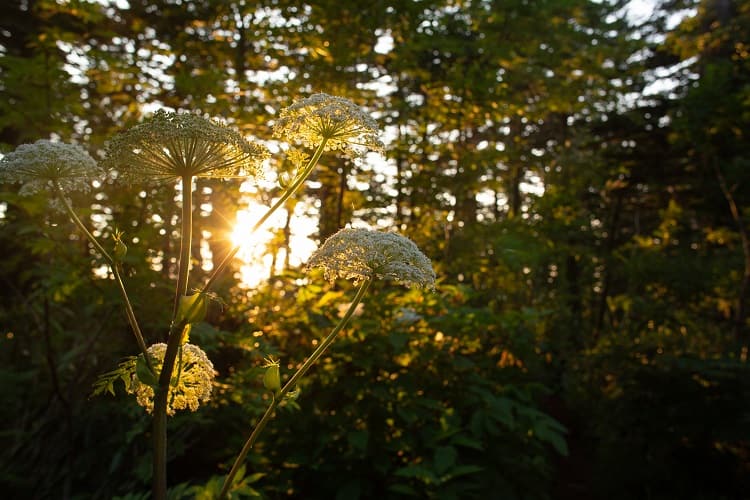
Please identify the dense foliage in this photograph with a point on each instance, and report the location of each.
(577, 175)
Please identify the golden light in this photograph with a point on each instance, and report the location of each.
(256, 253)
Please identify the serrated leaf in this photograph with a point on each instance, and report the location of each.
(105, 383)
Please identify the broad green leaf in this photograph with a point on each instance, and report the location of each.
(445, 458)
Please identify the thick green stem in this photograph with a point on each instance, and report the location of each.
(161, 394)
(301, 371)
(186, 241)
(129, 312)
(176, 333)
(293, 188)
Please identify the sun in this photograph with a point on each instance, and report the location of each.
(256, 252)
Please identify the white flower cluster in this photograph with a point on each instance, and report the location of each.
(195, 372)
(169, 146)
(361, 254)
(342, 124)
(46, 165)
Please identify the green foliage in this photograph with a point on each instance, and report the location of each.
(241, 488)
(407, 403)
(680, 426)
(105, 384)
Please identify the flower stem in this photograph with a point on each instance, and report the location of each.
(131, 318)
(298, 181)
(176, 334)
(129, 312)
(186, 241)
(161, 393)
(278, 397)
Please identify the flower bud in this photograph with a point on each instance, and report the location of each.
(192, 308)
(293, 394)
(285, 180)
(121, 249)
(272, 377)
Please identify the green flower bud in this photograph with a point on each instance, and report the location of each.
(192, 308)
(272, 377)
(285, 180)
(121, 249)
(145, 376)
(293, 394)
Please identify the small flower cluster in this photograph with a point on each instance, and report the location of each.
(337, 121)
(363, 254)
(193, 387)
(46, 165)
(168, 146)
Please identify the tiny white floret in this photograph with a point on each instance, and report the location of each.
(339, 122)
(191, 382)
(365, 254)
(45, 165)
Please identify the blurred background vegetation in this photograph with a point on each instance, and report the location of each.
(577, 170)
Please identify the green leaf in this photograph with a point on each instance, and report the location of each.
(398, 340)
(465, 470)
(467, 442)
(105, 383)
(349, 491)
(502, 411)
(549, 431)
(192, 308)
(445, 458)
(417, 471)
(403, 489)
(358, 439)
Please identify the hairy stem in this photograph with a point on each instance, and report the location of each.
(176, 333)
(278, 397)
(186, 239)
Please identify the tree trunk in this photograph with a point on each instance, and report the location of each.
(740, 311)
(609, 246)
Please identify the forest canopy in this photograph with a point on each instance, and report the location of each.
(576, 171)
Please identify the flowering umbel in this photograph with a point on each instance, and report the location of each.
(191, 380)
(168, 146)
(362, 254)
(46, 165)
(339, 122)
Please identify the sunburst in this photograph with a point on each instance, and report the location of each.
(257, 249)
